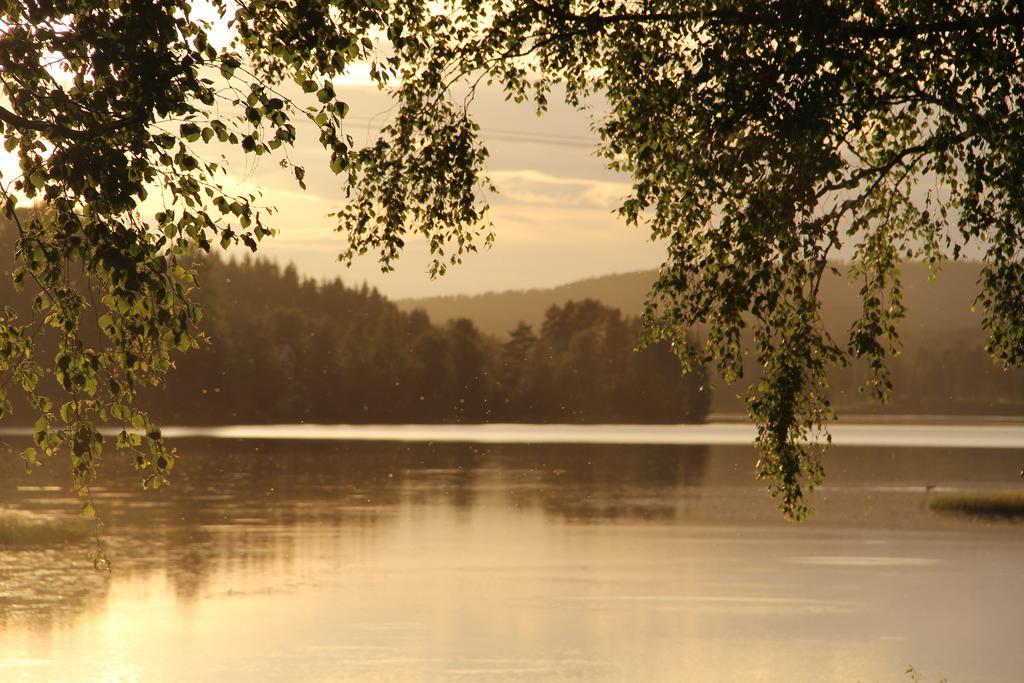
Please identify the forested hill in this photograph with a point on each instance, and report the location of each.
(497, 313)
(942, 368)
(283, 348)
(286, 349)
(935, 306)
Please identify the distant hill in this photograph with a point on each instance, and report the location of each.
(497, 313)
(941, 306)
(942, 369)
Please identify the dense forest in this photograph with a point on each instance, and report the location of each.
(287, 349)
(942, 367)
(282, 348)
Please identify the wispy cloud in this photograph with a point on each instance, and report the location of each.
(529, 186)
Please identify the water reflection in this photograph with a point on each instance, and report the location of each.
(243, 505)
(504, 558)
(238, 503)
(275, 483)
(600, 482)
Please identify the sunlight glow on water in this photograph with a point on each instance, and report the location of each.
(305, 560)
(719, 434)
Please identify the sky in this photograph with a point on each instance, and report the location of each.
(553, 216)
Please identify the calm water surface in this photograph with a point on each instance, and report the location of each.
(308, 560)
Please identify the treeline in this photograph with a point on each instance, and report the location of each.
(288, 349)
(283, 348)
(953, 377)
(942, 368)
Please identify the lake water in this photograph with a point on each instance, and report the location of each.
(329, 559)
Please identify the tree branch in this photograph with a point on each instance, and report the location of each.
(747, 18)
(24, 124)
(21, 123)
(878, 172)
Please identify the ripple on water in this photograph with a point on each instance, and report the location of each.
(865, 561)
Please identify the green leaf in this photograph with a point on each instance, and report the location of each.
(18, 277)
(30, 455)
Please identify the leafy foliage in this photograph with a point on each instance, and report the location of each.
(761, 137)
(105, 104)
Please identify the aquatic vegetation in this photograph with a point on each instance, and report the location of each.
(981, 504)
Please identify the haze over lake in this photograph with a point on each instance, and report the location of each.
(324, 560)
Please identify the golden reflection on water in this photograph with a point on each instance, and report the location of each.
(355, 562)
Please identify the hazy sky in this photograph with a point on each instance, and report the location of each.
(553, 217)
